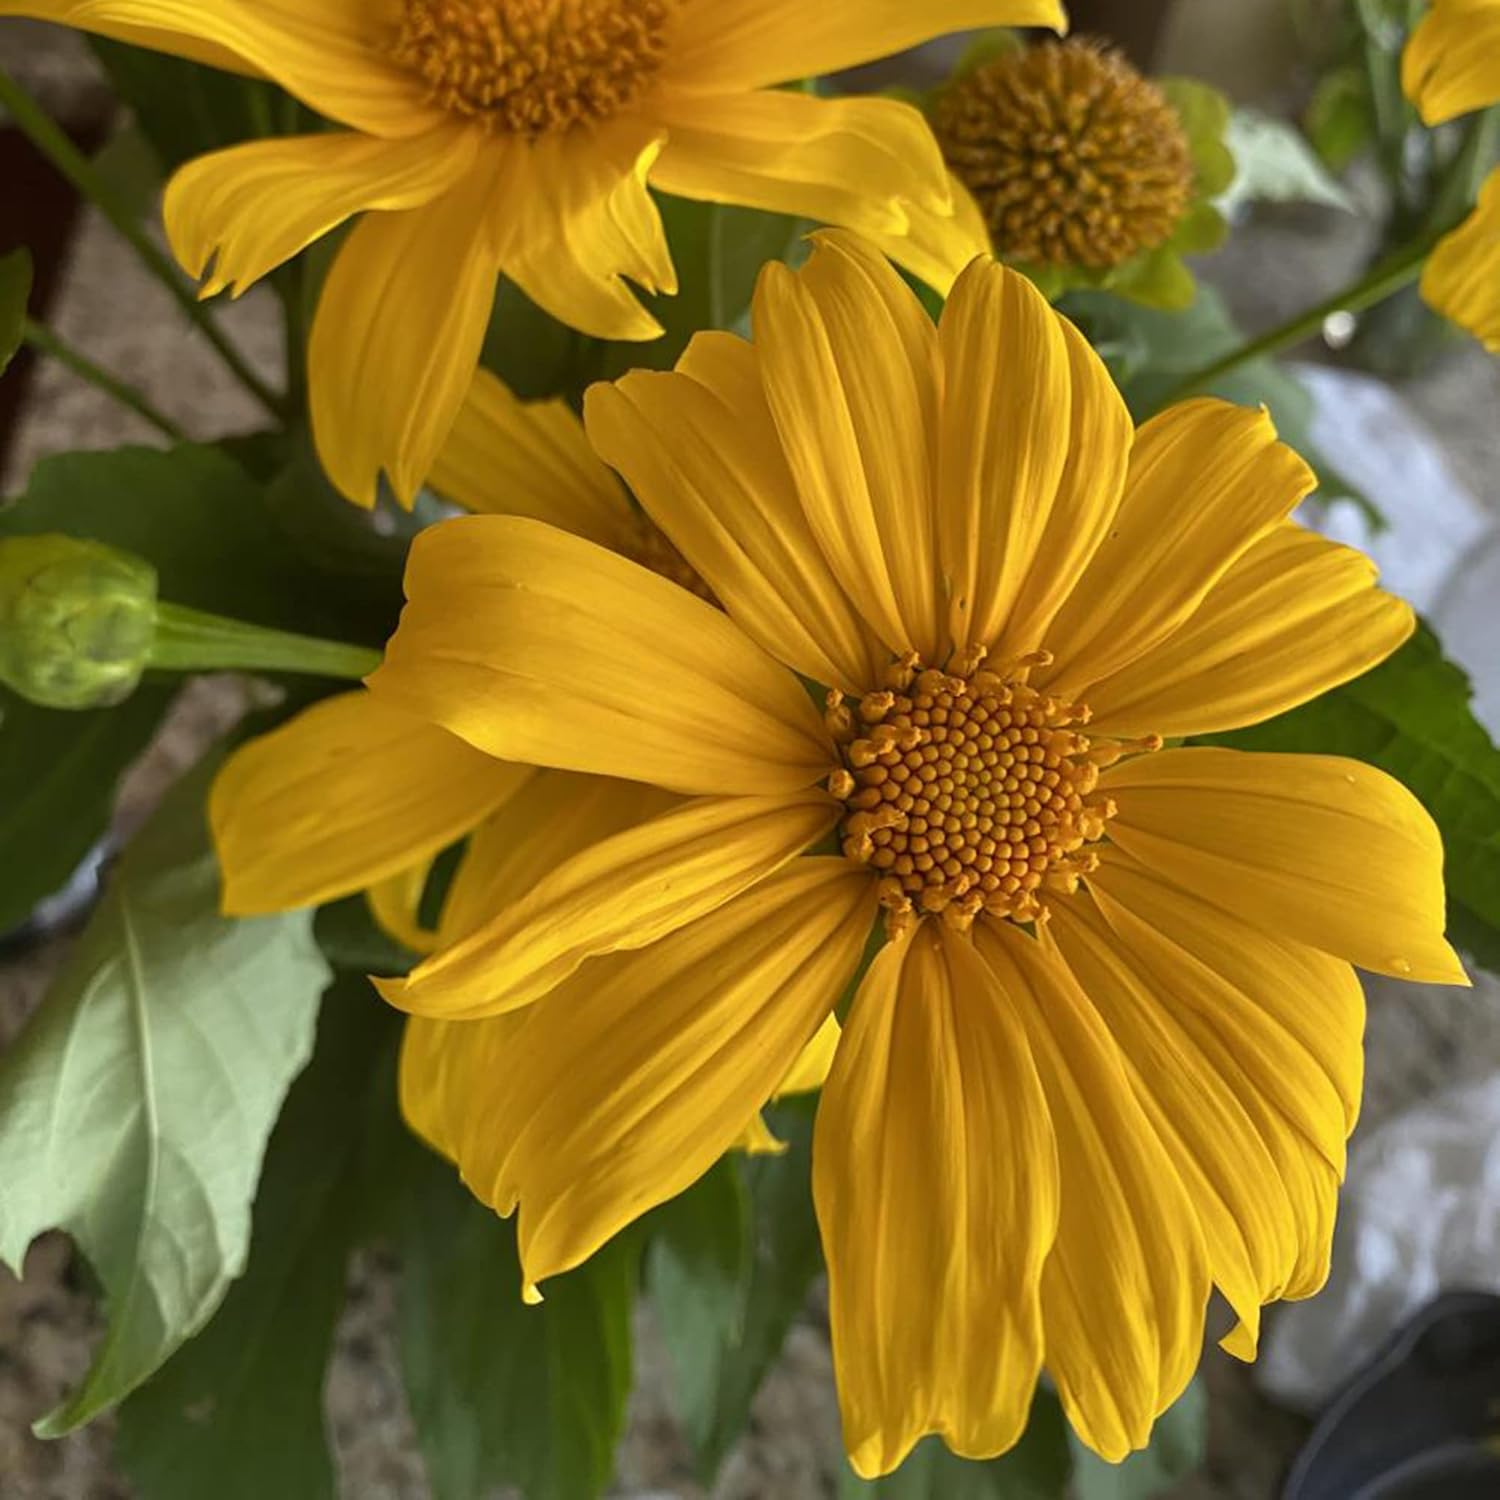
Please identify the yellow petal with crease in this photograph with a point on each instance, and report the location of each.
(936, 244)
(1322, 850)
(509, 457)
(1206, 480)
(700, 451)
(355, 791)
(1451, 65)
(535, 645)
(625, 892)
(721, 44)
(575, 219)
(235, 215)
(331, 54)
(623, 1087)
(396, 904)
(1033, 458)
(1462, 277)
(936, 1182)
(1244, 1051)
(1295, 616)
(561, 815)
(1126, 1286)
(409, 292)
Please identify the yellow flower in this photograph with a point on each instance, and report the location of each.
(1452, 66)
(1111, 1053)
(518, 138)
(353, 795)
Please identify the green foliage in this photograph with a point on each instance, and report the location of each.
(501, 1392)
(1340, 120)
(15, 290)
(135, 1107)
(1177, 1445)
(1037, 1468)
(58, 773)
(1276, 164)
(243, 1401)
(1411, 717)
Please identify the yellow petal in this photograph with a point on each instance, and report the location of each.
(1245, 1054)
(508, 457)
(244, 211)
(758, 1139)
(1295, 616)
(700, 451)
(936, 244)
(1462, 276)
(811, 1069)
(537, 646)
(397, 336)
(1125, 1289)
(630, 1081)
(1452, 62)
(721, 44)
(808, 327)
(1322, 850)
(396, 904)
(561, 815)
(854, 162)
(627, 891)
(573, 218)
(349, 792)
(331, 54)
(1034, 443)
(1206, 480)
(935, 1177)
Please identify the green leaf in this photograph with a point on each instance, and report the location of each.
(1276, 164)
(1037, 1468)
(501, 1392)
(697, 1268)
(59, 772)
(1177, 1446)
(243, 1401)
(1204, 113)
(784, 1257)
(1340, 120)
(1411, 717)
(15, 291)
(136, 1105)
(215, 538)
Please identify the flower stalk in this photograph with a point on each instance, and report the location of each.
(191, 640)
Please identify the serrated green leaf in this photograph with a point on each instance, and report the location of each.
(1411, 717)
(15, 292)
(697, 1268)
(501, 1392)
(1177, 1446)
(59, 772)
(1037, 1468)
(243, 1401)
(1275, 163)
(136, 1105)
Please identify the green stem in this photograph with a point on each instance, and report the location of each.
(1384, 280)
(45, 341)
(71, 162)
(188, 640)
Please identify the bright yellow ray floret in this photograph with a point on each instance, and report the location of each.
(1109, 1054)
(1452, 66)
(482, 138)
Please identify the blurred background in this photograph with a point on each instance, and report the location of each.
(1409, 419)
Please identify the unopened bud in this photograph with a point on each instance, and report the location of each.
(77, 620)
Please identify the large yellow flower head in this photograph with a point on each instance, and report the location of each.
(519, 138)
(1452, 66)
(1110, 1054)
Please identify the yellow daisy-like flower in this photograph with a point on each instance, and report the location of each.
(519, 138)
(1110, 1056)
(1452, 66)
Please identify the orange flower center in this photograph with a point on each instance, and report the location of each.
(651, 548)
(970, 791)
(1075, 159)
(532, 67)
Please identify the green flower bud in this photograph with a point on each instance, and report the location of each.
(77, 620)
